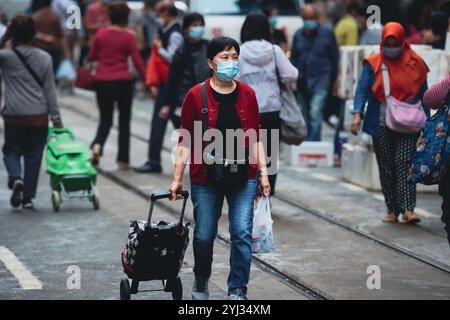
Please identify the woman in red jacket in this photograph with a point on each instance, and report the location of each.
(231, 111)
(111, 48)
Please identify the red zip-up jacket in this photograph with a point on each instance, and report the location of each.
(247, 110)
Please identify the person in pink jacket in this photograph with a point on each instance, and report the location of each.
(437, 97)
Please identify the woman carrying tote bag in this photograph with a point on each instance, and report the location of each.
(393, 105)
(262, 66)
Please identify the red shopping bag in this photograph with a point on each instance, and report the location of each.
(85, 79)
(157, 70)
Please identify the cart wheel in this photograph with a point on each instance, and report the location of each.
(177, 289)
(56, 200)
(125, 289)
(96, 201)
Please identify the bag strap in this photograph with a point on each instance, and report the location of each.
(204, 113)
(27, 66)
(281, 85)
(387, 87)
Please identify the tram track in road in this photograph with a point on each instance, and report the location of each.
(290, 280)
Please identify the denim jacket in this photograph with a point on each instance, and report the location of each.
(365, 94)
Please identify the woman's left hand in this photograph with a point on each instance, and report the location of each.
(164, 113)
(264, 185)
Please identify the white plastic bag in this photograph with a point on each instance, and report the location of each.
(66, 71)
(262, 233)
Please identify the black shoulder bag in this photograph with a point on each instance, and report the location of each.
(225, 173)
(27, 66)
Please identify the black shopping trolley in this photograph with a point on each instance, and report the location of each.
(155, 251)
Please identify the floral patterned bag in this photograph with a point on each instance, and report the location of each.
(432, 157)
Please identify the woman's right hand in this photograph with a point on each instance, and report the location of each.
(177, 185)
(356, 124)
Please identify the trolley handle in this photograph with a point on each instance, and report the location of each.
(166, 195)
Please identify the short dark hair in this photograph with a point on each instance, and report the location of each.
(359, 9)
(191, 18)
(22, 29)
(119, 13)
(438, 23)
(220, 44)
(268, 11)
(37, 5)
(169, 8)
(256, 27)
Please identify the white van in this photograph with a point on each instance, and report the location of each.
(225, 17)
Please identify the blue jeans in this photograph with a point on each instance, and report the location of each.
(27, 142)
(313, 107)
(208, 202)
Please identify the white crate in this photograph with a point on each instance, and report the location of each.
(310, 154)
(359, 166)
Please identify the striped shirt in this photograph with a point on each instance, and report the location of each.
(435, 96)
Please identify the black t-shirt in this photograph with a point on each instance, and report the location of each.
(227, 117)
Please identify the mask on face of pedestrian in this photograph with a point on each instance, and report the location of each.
(392, 53)
(196, 32)
(160, 21)
(273, 21)
(310, 24)
(227, 70)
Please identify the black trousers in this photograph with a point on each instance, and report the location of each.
(109, 93)
(444, 191)
(158, 130)
(271, 121)
(395, 152)
(27, 143)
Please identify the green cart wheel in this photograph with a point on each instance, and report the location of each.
(96, 200)
(56, 200)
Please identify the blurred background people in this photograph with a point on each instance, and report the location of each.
(29, 101)
(96, 16)
(394, 151)
(111, 48)
(436, 32)
(347, 28)
(278, 35)
(169, 40)
(260, 60)
(49, 33)
(315, 54)
(437, 97)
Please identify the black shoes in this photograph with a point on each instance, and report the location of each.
(27, 204)
(16, 196)
(200, 289)
(148, 168)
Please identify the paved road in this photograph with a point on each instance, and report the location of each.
(322, 255)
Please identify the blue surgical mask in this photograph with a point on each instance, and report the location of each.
(392, 53)
(227, 70)
(310, 24)
(196, 33)
(273, 21)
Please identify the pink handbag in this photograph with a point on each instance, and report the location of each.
(401, 116)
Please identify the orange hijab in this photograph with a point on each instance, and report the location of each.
(407, 73)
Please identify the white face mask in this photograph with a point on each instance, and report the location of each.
(160, 21)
